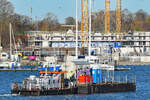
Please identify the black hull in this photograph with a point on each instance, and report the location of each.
(82, 89)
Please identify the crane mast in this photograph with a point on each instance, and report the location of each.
(118, 17)
(84, 23)
(107, 16)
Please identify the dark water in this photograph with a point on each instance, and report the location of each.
(142, 93)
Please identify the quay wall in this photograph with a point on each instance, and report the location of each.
(132, 63)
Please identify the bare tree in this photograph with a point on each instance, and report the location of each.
(50, 22)
(127, 20)
(98, 21)
(6, 10)
(69, 21)
(113, 21)
(141, 15)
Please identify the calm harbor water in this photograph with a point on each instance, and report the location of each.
(142, 84)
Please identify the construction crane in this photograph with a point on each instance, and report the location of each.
(118, 17)
(31, 11)
(107, 16)
(84, 22)
(31, 15)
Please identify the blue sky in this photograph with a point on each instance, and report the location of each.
(65, 8)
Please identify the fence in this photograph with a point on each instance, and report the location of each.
(119, 79)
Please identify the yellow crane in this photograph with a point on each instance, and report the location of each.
(84, 22)
(107, 16)
(118, 17)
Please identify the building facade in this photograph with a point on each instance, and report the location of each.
(139, 41)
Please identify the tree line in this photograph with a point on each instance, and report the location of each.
(138, 21)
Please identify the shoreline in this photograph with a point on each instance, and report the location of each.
(133, 63)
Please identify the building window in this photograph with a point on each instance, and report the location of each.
(53, 81)
(38, 43)
(124, 43)
(140, 43)
(131, 43)
(124, 37)
(144, 43)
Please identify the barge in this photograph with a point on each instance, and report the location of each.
(81, 89)
(84, 81)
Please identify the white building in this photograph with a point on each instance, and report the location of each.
(138, 42)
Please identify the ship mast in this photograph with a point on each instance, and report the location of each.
(10, 27)
(90, 27)
(76, 28)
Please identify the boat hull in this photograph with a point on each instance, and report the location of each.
(81, 89)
